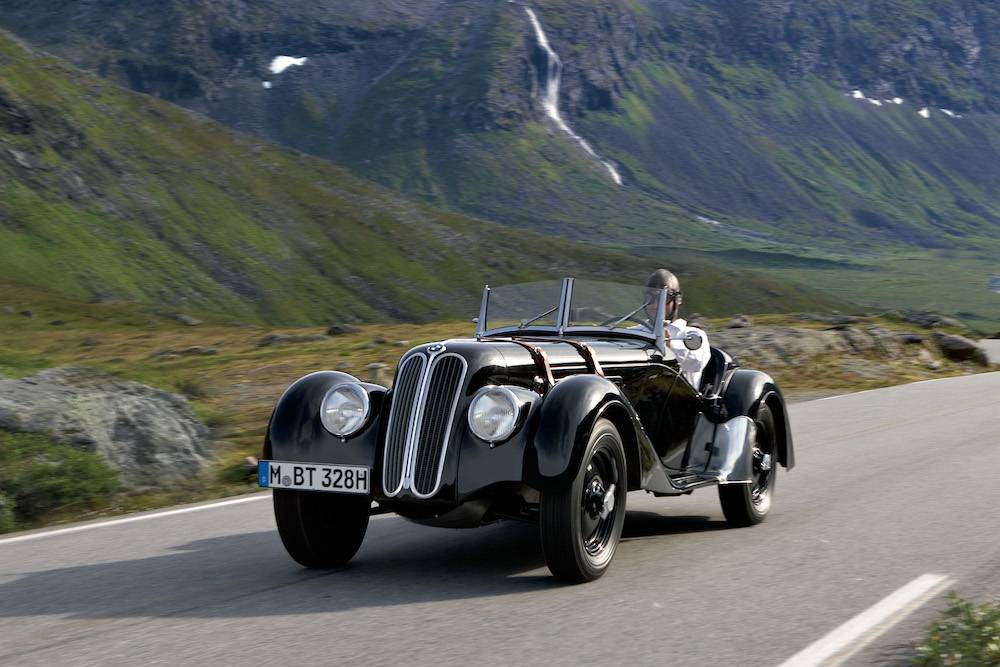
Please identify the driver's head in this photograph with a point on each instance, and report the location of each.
(658, 280)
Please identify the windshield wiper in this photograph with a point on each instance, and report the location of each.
(525, 323)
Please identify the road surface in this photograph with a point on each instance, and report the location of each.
(891, 485)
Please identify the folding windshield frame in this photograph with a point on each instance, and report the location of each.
(658, 336)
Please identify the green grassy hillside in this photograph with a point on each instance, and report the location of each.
(108, 196)
(731, 122)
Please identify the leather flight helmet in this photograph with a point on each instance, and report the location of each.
(662, 278)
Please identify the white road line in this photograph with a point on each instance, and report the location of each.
(858, 632)
(142, 517)
(133, 519)
(896, 386)
(853, 393)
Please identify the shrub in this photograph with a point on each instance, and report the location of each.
(6, 514)
(41, 480)
(967, 635)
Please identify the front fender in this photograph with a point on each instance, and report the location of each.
(566, 418)
(746, 391)
(295, 432)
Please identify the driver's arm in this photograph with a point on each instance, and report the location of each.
(693, 362)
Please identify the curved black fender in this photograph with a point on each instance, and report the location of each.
(746, 391)
(295, 432)
(562, 429)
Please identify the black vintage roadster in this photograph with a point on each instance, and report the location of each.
(569, 396)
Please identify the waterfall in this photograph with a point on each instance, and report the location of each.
(550, 96)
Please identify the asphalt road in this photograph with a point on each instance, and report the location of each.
(891, 484)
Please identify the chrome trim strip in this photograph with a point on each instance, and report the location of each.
(660, 327)
(564, 300)
(448, 426)
(409, 455)
(483, 306)
(389, 429)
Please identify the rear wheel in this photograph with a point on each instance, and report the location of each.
(321, 530)
(749, 504)
(581, 525)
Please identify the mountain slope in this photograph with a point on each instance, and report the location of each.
(720, 108)
(106, 195)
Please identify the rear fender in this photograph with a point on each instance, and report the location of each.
(746, 391)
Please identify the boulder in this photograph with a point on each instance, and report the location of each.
(929, 361)
(928, 320)
(378, 373)
(740, 322)
(150, 436)
(959, 348)
(770, 347)
(186, 320)
(911, 338)
(193, 351)
(698, 321)
(857, 341)
(289, 339)
(886, 343)
(341, 329)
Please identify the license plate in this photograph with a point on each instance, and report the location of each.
(313, 476)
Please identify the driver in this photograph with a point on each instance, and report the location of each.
(692, 362)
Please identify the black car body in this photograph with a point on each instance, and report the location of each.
(560, 384)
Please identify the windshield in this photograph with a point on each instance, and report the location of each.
(592, 305)
(611, 306)
(524, 305)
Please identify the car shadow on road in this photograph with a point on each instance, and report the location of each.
(640, 525)
(250, 575)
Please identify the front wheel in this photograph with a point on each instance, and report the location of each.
(581, 525)
(749, 504)
(321, 530)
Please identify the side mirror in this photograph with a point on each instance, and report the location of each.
(693, 340)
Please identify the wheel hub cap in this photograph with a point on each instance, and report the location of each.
(762, 460)
(608, 505)
(597, 503)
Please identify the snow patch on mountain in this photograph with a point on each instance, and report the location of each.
(281, 63)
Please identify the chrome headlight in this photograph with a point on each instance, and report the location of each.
(344, 409)
(494, 414)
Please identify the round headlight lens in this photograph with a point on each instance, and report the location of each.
(493, 414)
(344, 409)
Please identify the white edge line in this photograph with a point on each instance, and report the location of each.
(896, 386)
(132, 519)
(849, 638)
(142, 517)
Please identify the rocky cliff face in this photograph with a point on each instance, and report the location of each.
(940, 52)
(149, 436)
